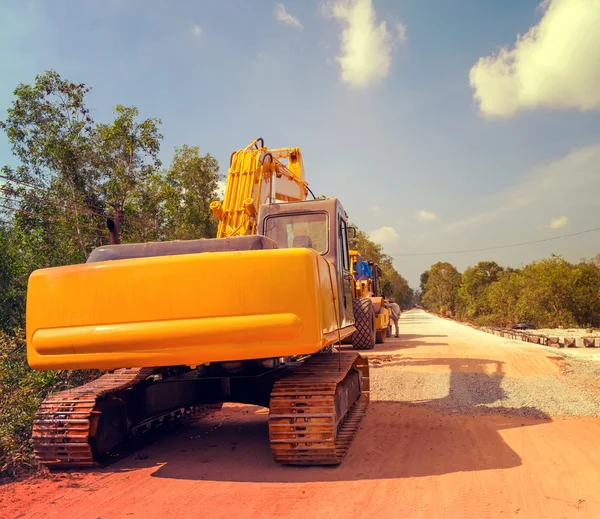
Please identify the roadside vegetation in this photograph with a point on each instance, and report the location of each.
(72, 174)
(549, 293)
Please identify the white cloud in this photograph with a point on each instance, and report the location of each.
(366, 45)
(425, 216)
(384, 236)
(402, 34)
(281, 15)
(572, 179)
(554, 65)
(559, 222)
(196, 30)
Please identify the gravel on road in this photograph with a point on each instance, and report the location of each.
(422, 371)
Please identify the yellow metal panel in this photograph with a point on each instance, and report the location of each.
(382, 322)
(180, 310)
(255, 175)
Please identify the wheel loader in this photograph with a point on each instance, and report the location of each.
(366, 276)
(252, 316)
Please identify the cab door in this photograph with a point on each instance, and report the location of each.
(344, 275)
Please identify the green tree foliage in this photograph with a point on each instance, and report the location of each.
(503, 300)
(441, 290)
(21, 392)
(50, 131)
(126, 157)
(423, 281)
(585, 300)
(472, 294)
(550, 292)
(191, 184)
(12, 286)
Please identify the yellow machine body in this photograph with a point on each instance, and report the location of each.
(256, 176)
(114, 314)
(250, 317)
(368, 288)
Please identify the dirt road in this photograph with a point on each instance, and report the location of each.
(461, 424)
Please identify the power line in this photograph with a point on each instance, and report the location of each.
(47, 218)
(498, 246)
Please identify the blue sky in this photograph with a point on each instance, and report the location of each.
(429, 148)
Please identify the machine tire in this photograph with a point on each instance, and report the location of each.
(364, 320)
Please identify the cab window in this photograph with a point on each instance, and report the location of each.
(343, 245)
(299, 230)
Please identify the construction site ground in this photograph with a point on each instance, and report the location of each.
(461, 424)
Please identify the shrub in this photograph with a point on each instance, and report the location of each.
(21, 392)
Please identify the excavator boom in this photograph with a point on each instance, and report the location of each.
(256, 176)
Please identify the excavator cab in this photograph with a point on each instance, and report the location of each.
(321, 225)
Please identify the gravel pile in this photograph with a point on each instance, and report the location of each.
(574, 392)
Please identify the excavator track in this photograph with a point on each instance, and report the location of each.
(66, 422)
(315, 412)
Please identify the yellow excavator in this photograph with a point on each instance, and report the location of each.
(366, 276)
(251, 316)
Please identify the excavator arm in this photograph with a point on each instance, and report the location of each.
(256, 176)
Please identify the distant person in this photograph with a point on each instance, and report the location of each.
(394, 316)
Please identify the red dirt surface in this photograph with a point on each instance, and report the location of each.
(407, 460)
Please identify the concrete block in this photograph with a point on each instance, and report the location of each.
(569, 342)
(554, 342)
(588, 342)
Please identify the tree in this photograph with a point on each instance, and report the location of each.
(191, 185)
(423, 281)
(472, 301)
(503, 298)
(442, 287)
(548, 291)
(50, 130)
(126, 157)
(400, 290)
(12, 282)
(585, 302)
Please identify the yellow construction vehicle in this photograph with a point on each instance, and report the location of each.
(249, 317)
(366, 275)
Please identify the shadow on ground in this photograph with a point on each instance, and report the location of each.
(405, 341)
(395, 440)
